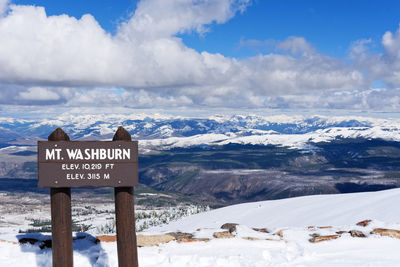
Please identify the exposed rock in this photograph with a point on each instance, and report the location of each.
(364, 223)
(341, 232)
(107, 238)
(225, 234)
(179, 235)
(314, 235)
(387, 232)
(356, 233)
(279, 233)
(319, 227)
(324, 227)
(262, 230)
(190, 240)
(323, 238)
(149, 240)
(231, 227)
(153, 240)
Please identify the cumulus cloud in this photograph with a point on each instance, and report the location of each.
(36, 48)
(383, 66)
(359, 48)
(296, 45)
(60, 59)
(367, 100)
(38, 94)
(162, 19)
(35, 95)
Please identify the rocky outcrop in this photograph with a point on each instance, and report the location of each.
(364, 223)
(262, 230)
(153, 240)
(279, 233)
(313, 228)
(179, 235)
(231, 227)
(321, 238)
(356, 233)
(107, 238)
(142, 240)
(224, 234)
(386, 232)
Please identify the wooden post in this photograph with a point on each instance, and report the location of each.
(61, 222)
(125, 217)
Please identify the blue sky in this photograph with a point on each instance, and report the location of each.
(226, 54)
(330, 25)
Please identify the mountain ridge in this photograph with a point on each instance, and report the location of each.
(159, 132)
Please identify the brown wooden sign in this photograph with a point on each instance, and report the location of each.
(87, 163)
(64, 164)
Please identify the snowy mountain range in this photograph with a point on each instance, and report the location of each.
(159, 132)
(224, 160)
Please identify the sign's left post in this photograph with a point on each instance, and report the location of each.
(61, 219)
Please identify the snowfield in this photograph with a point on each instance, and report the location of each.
(317, 210)
(295, 219)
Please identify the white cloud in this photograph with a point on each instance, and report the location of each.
(296, 45)
(390, 61)
(61, 59)
(391, 43)
(162, 19)
(38, 94)
(106, 98)
(367, 100)
(62, 50)
(35, 95)
(359, 48)
(380, 66)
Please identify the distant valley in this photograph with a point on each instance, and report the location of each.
(225, 160)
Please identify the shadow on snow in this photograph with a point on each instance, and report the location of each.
(83, 244)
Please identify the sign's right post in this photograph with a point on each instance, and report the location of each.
(125, 217)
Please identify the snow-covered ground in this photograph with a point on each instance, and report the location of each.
(292, 248)
(319, 210)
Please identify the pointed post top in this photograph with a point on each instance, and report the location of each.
(58, 135)
(122, 135)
